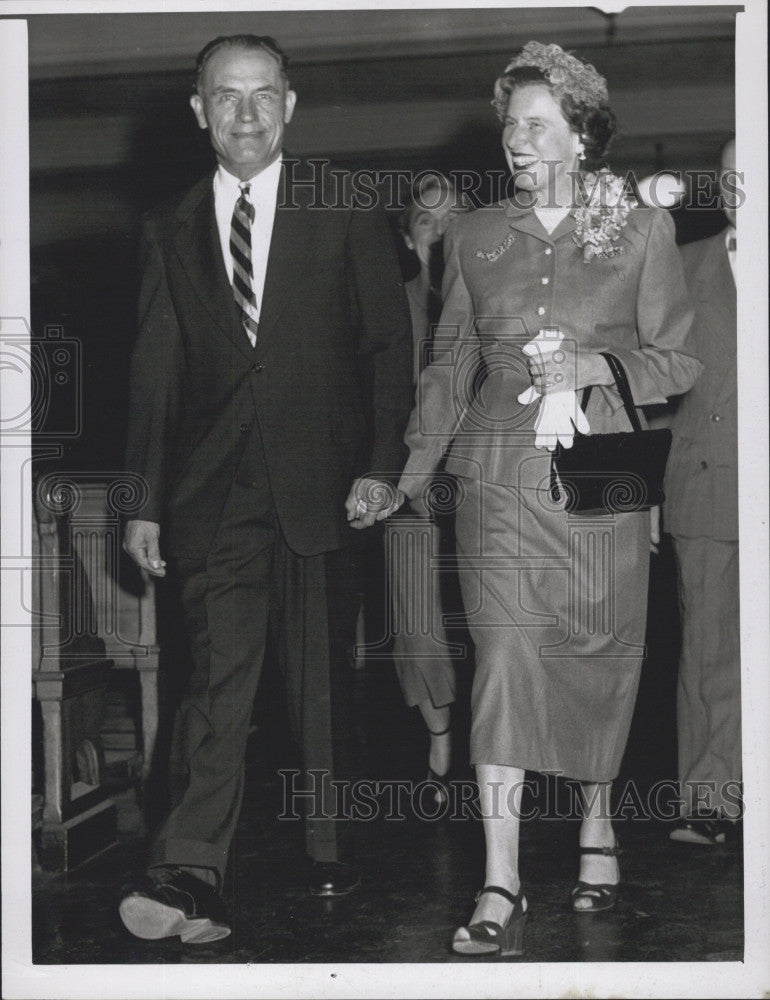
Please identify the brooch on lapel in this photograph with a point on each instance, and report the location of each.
(609, 253)
(499, 250)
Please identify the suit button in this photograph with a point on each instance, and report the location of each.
(243, 428)
(715, 417)
(548, 251)
(541, 310)
(704, 465)
(257, 367)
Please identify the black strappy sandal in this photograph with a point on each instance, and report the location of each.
(486, 937)
(602, 895)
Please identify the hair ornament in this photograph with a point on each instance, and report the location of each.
(565, 73)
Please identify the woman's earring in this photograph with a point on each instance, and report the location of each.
(581, 152)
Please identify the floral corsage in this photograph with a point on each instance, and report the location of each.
(602, 214)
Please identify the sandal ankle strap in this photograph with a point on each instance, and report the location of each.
(610, 852)
(515, 900)
(443, 731)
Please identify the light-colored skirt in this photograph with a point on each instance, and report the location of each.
(556, 605)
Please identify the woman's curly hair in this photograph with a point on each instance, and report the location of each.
(579, 89)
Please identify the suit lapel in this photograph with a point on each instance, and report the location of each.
(197, 244)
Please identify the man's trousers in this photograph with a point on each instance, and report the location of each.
(247, 582)
(709, 684)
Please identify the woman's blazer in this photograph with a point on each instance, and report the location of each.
(506, 278)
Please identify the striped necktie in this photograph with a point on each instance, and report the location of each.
(240, 248)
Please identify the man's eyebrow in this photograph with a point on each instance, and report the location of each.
(224, 88)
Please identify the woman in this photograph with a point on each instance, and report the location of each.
(421, 648)
(556, 604)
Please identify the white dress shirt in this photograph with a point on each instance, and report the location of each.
(263, 195)
(730, 235)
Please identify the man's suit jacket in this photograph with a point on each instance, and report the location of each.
(328, 387)
(702, 474)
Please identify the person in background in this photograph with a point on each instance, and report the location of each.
(248, 422)
(701, 514)
(558, 622)
(421, 649)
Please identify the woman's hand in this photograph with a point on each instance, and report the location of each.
(565, 369)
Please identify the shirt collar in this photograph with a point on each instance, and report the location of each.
(262, 185)
(523, 218)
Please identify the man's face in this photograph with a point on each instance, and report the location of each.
(244, 102)
(727, 181)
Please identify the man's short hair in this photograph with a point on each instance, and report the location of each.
(262, 42)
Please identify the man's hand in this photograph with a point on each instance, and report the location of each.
(371, 500)
(141, 543)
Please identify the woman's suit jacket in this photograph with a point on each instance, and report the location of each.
(506, 278)
(325, 394)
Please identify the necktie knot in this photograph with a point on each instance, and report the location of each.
(244, 204)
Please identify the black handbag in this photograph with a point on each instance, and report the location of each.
(612, 473)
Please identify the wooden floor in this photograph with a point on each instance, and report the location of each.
(678, 903)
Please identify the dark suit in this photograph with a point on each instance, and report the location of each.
(701, 513)
(249, 454)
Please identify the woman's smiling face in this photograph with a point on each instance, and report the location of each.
(540, 147)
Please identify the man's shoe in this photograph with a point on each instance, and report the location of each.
(702, 830)
(333, 878)
(169, 901)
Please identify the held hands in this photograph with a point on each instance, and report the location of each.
(141, 543)
(553, 369)
(371, 500)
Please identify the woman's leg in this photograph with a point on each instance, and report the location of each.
(438, 721)
(596, 831)
(500, 790)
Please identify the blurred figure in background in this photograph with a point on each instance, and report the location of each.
(421, 649)
(701, 513)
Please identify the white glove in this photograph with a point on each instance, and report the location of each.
(559, 414)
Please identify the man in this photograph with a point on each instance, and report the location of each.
(261, 324)
(702, 516)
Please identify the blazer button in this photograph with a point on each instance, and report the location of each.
(715, 417)
(704, 465)
(243, 428)
(257, 367)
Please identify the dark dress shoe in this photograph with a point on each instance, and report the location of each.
(170, 901)
(703, 830)
(333, 878)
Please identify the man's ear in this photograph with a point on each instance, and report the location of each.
(288, 111)
(196, 104)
